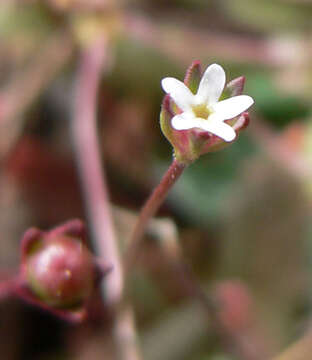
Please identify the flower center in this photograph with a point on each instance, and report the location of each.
(201, 111)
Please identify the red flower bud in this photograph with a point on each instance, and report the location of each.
(58, 272)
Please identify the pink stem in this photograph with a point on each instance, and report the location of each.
(84, 132)
(150, 208)
(88, 157)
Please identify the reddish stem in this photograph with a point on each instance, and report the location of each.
(150, 208)
(86, 143)
(84, 132)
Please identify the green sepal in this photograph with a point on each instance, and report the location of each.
(186, 146)
(193, 76)
(234, 88)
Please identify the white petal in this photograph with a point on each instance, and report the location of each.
(211, 85)
(183, 121)
(179, 92)
(219, 128)
(229, 108)
(187, 121)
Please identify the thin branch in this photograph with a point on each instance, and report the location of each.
(150, 208)
(84, 133)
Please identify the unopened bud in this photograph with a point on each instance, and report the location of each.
(60, 270)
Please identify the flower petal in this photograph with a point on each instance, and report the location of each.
(211, 85)
(179, 92)
(229, 108)
(219, 128)
(184, 121)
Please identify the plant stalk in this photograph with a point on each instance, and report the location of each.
(150, 208)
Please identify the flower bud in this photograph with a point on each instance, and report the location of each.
(58, 272)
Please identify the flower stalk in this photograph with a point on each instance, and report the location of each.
(151, 206)
(197, 116)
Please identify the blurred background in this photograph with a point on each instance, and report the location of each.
(241, 216)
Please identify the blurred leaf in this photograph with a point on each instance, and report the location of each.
(177, 335)
(153, 301)
(24, 19)
(264, 244)
(139, 69)
(275, 107)
(270, 15)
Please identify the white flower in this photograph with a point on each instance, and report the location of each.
(203, 110)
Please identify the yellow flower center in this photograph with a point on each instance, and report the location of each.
(201, 111)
